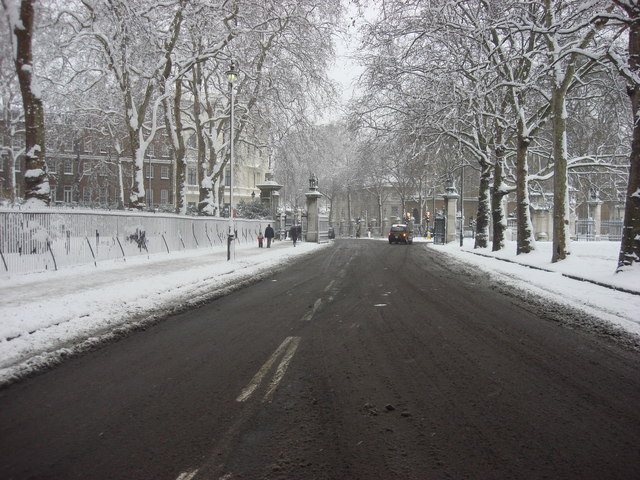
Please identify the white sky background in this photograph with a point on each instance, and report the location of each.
(47, 315)
(346, 69)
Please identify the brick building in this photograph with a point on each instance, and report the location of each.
(85, 169)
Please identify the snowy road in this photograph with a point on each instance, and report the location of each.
(362, 361)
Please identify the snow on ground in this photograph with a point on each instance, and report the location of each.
(48, 316)
(591, 261)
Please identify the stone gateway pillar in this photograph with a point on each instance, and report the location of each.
(450, 209)
(270, 196)
(313, 210)
(595, 205)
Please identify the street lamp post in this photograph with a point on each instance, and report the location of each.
(462, 204)
(149, 192)
(232, 76)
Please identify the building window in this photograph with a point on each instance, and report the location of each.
(86, 167)
(88, 146)
(164, 197)
(191, 176)
(166, 151)
(149, 171)
(51, 166)
(68, 167)
(104, 195)
(67, 146)
(164, 172)
(52, 194)
(68, 194)
(227, 177)
(149, 197)
(103, 147)
(86, 194)
(19, 142)
(151, 151)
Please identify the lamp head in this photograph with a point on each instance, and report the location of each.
(232, 73)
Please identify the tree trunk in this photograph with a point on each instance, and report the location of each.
(78, 176)
(175, 129)
(630, 244)
(497, 206)
(526, 243)
(12, 177)
(120, 182)
(484, 207)
(560, 178)
(379, 199)
(136, 198)
(36, 179)
(349, 210)
(206, 199)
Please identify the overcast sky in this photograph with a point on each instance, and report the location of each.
(346, 70)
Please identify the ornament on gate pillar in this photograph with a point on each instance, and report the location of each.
(313, 210)
(313, 182)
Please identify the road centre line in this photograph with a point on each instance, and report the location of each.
(309, 315)
(187, 475)
(282, 368)
(264, 370)
(328, 287)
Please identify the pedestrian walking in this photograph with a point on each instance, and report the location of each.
(260, 239)
(269, 234)
(293, 233)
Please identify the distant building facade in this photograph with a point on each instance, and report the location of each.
(86, 170)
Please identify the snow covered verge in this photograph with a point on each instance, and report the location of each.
(49, 316)
(533, 273)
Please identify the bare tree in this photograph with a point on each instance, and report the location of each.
(630, 70)
(21, 18)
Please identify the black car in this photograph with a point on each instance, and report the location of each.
(401, 233)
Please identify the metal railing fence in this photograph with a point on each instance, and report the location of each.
(611, 230)
(585, 230)
(323, 228)
(39, 240)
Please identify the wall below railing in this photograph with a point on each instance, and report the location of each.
(50, 239)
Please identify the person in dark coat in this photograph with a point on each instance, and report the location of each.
(293, 233)
(269, 234)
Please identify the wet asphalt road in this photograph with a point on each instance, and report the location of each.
(362, 361)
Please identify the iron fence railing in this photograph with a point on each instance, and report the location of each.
(585, 230)
(611, 230)
(323, 228)
(39, 240)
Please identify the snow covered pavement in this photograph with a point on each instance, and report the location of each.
(590, 261)
(50, 315)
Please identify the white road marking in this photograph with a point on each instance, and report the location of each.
(380, 305)
(187, 475)
(328, 287)
(309, 315)
(258, 377)
(282, 368)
